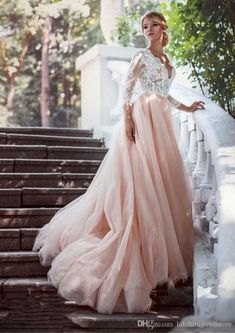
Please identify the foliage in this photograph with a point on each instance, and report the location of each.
(202, 37)
(202, 34)
(128, 31)
(71, 38)
(72, 35)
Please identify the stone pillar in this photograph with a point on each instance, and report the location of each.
(206, 184)
(199, 171)
(192, 151)
(99, 92)
(109, 11)
(184, 134)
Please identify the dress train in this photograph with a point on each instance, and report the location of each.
(132, 229)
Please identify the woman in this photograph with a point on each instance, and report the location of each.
(132, 229)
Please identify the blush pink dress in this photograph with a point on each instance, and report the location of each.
(132, 229)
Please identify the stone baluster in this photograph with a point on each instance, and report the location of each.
(197, 176)
(199, 171)
(211, 214)
(192, 151)
(184, 134)
(207, 182)
(211, 206)
(213, 232)
(205, 188)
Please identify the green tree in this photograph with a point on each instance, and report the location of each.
(128, 31)
(202, 35)
(15, 36)
(71, 35)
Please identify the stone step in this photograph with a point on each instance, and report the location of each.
(34, 306)
(51, 152)
(59, 180)
(21, 264)
(52, 197)
(3, 315)
(41, 302)
(41, 283)
(38, 197)
(25, 139)
(20, 151)
(25, 264)
(36, 283)
(179, 296)
(2, 138)
(10, 198)
(17, 239)
(10, 240)
(23, 240)
(6, 165)
(76, 153)
(26, 217)
(48, 165)
(54, 131)
(163, 320)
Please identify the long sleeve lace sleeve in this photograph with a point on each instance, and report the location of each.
(136, 66)
(173, 101)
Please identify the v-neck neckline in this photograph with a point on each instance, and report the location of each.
(155, 57)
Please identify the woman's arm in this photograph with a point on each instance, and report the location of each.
(191, 108)
(136, 66)
(180, 106)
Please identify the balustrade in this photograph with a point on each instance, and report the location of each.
(202, 172)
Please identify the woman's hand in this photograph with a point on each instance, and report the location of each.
(130, 128)
(129, 123)
(196, 105)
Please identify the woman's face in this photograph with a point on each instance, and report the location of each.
(153, 29)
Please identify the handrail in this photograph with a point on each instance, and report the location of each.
(211, 132)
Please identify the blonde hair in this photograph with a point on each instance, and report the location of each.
(154, 15)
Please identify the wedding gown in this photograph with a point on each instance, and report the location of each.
(132, 229)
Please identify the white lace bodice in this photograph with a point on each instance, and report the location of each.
(152, 75)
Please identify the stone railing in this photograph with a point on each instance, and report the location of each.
(207, 141)
(208, 137)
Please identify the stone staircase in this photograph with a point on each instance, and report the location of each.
(41, 170)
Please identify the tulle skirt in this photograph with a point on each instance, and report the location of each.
(132, 229)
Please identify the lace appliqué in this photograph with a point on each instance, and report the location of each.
(173, 101)
(136, 66)
(152, 74)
